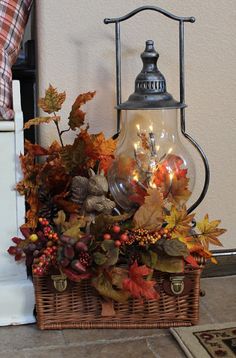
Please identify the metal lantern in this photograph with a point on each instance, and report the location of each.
(149, 151)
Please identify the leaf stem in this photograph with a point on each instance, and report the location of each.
(59, 133)
(65, 130)
(58, 130)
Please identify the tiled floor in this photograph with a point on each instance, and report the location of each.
(219, 305)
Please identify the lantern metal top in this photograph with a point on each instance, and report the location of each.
(150, 85)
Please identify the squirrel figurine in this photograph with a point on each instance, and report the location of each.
(91, 194)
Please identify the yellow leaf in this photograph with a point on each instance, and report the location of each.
(38, 120)
(150, 215)
(52, 101)
(214, 261)
(179, 221)
(209, 232)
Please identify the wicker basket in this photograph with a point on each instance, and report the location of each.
(81, 307)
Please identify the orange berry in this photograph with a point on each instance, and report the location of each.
(116, 229)
(107, 237)
(124, 237)
(117, 243)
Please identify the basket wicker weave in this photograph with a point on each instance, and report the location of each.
(81, 307)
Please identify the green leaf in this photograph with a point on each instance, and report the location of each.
(118, 274)
(75, 231)
(175, 248)
(108, 245)
(99, 258)
(112, 252)
(112, 257)
(169, 264)
(149, 259)
(105, 288)
(102, 221)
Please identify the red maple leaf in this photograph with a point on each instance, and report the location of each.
(137, 285)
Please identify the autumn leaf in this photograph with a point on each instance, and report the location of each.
(150, 215)
(169, 264)
(65, 205)
(52, 101)
(102, 221)
(73, 156)
(191, 261)
(35, 149)
(125, 165)
(76, 117)
(75, 230)
(179, 192)
(179, 221)
(39, 120)
(55, 147)
(174, 247)
(104, 286)
(97, 147)
(137, 285)
(71, 226)
(75, 276)
(209, 232)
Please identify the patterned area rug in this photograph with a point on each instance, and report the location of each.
(214, 340)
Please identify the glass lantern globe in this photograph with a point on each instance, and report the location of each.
(149, 152)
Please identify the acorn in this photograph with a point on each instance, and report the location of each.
(69, 252)
(81, 246)
(77, 266)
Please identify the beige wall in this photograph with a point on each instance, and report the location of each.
(76, 53)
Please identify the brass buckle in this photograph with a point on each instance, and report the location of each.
(177, 284)
(59, 282)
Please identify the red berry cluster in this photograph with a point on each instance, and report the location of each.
(43, 263)
(120, 237)
(48, 230)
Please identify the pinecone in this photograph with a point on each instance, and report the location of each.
(49, 209)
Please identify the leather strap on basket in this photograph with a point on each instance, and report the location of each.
(177, 285)
(107, 309)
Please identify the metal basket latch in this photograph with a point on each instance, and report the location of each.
(177, 284)
(59, 282)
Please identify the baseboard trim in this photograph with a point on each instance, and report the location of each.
(226, 264)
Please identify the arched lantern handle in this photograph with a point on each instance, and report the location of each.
(181, 21)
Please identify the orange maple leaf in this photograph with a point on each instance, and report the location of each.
(137, 285)
(97, 148)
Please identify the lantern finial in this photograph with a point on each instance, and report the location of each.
(150, 85)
